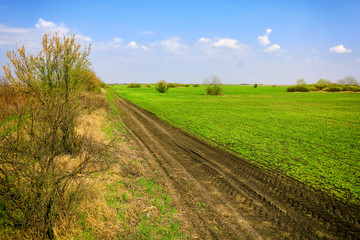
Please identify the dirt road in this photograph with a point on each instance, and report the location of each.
(226, 197)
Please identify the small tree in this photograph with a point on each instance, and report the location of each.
(300, 82)
(162, 86)
(213, 85)
(255, 85)
(323, 82)
(348, 81)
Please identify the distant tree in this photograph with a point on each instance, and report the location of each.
(300, 81)
(162, 86)
(255, 85)
(323, 81)
(348, 81)
(213, 85)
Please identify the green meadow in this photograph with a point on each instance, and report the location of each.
(313, 137)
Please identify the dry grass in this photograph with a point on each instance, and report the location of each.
(10, 100)
(124, 202)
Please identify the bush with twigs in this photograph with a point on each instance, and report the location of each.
(213, 85)
(42, 156)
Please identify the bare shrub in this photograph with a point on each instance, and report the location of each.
(351, 81)
(213, 85)
(300, 81)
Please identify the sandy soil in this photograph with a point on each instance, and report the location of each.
(226, 197)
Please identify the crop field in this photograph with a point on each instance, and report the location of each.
(313, 137)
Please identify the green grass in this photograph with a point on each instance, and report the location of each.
(156, 221)
(313, 137)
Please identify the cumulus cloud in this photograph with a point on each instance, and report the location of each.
(133, 45)
(204, 40)
(220, 47)
(31, 37)
(228, 43)
(44, 24)
(273, 48)
(340, 49)
(264, 40)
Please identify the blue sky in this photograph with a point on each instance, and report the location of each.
(268, 42)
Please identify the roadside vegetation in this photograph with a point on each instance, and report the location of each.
(43, 156)
(313, 139)
(66, 169)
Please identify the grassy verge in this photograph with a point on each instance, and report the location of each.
(127, 201)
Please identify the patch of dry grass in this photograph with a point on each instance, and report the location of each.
(124, 202)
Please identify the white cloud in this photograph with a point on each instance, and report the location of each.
(220, 48)
(204, 40)
(4, 29)
(133, 45)
(173, 45)
(117, 40)
(273, 48)
(31, 37)
(340, 49)
(228, 43)
(44, 24)
(264, 40)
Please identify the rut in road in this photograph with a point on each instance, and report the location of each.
(226, 197)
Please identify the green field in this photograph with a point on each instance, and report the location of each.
(313, 137)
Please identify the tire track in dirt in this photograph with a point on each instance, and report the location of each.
(226, 197)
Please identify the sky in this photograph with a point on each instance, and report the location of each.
(144, 41)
